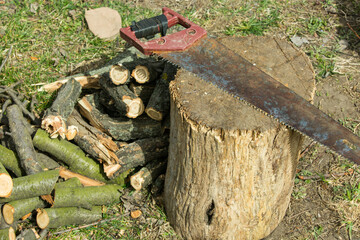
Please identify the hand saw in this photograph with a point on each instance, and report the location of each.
(194, 51)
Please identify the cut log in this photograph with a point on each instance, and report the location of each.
(119, 74)
(59, 217)
(10, 161)
(86, 82)
(143, 91)
(125, 101)
(147, 175)
(33, 185)
(22, 140)
(6, 182)
(157, 187)
(159, 102)
(140, 152)
(231, 169)
(7, 233)
(128, 56)
(46, 162)
(119, 128)
(28, 234)
(85, 181)
(70, 154)
(94, 142)
(15, 210)
(143, 74)
(54, 121)
(72, 182)
(86, 197)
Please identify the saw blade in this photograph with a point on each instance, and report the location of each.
(215, 63)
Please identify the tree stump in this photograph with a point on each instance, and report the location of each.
(231, 168)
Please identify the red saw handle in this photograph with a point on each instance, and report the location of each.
(174, 42)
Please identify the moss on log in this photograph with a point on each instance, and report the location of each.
(70, 183)
(86, 197)
(33, 185)
(10, 161)
(14, 210)
(7, 234)
(70, 154)
(59, 217)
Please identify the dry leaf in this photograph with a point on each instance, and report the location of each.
(135, 213)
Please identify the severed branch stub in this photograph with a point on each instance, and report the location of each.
(148, 174)
(125, 101)
(54, 121)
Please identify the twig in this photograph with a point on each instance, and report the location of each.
(353, 31)
(19, 103)
(306, 149)
(327, 175)
(3, 108)
(87, 225)
(6, 58)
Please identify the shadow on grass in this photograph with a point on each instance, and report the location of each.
(349, 30)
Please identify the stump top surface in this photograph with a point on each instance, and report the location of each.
(205, 104)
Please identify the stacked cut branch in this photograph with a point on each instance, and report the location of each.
(90, 143)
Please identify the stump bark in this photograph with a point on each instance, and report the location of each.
(231, 169)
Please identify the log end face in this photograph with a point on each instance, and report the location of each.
(135, 107)
(119, 74)
(12, 235)
(55, 126)
(42, 218)
(6, 183)
(136, 181)
(141, 74)
(8, 213)
(154, 114)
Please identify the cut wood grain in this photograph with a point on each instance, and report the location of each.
(119, 75)
(6, 182)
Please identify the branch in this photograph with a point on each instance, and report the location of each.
(6, 58)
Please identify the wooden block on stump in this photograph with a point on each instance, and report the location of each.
(231, 168)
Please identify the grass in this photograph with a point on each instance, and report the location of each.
(50, 40)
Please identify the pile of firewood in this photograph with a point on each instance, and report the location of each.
(106, 127)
